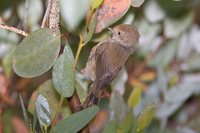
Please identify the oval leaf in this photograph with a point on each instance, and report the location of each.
(69, 52)
(96, 3)
(43, 111)
(135, 97)
(36, 54)
(87, 34)
(73, 11)
(77, 121)
(111, 11)
(137, 3)
(63, 75)
(145, 118)
(47, 90)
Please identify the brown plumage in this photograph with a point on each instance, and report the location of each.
(107, 58)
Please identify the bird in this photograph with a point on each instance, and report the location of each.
(107, 58)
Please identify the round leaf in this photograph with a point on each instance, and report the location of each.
(63, 74)
(36, 54)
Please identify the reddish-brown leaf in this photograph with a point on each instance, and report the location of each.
(19, 125)
(111, 11)
(3, 85)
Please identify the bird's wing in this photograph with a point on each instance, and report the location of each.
(90, 69)
(109, 59)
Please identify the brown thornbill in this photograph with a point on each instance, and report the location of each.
(107, 58)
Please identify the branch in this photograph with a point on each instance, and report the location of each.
(13, 29)
(46, 16)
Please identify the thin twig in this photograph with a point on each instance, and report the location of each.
(46, 16)
(13, 29)
(58, 110)
(80, 46)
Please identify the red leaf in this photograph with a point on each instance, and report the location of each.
(19, 125)
(111, 11)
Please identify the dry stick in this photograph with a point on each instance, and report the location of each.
(46, 16)
(13, 29)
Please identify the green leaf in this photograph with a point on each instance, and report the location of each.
(137, 3)
(96, 3)
(173, 28)
(135, 97)
(111, 127)
(47, 90)
(36, 54)
(73, 12)
(127, 123)
(69, 52)
(165, 55)
(7, 63)
(145, 118)
(77, 121)
(24, 111)
(191, 64)
(87, 35)
(43, 111)
(63, 74)
(82, 94)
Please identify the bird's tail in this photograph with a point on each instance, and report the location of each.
(93, 97)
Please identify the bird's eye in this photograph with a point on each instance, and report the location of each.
(119, 33)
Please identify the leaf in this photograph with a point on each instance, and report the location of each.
(24, 111)
(111, 11)
(177, 96)
(77, 121)
(36, 54)
(145, 118)
(96, 3)
(111, 127)
(137, 3)
(118, 112)
(19, 126)
(35, 7)
(82, 94)
(191, 64)
(47, 90)
(135, 97)
(119, 82)
(175, 27)
(43, 111)
(7, 118)
(126, 125)
(73, 11)
(165, 55)
(7, 63)
(153, 12)
(69, 52)
(87, 35)
(63, 74)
